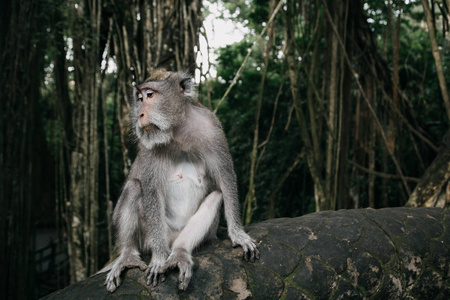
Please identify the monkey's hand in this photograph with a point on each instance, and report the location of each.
(240, 238)
(130, 260)
(183, 260)
(153, 272)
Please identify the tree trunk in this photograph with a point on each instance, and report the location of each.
(334, 62)
(342, 173)
(437, 56)
(434, 186)
(250, 199)
(23, 157)
(83, 242)
(320, 195)
(392, 121)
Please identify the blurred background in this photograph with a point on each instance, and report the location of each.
(326, 105)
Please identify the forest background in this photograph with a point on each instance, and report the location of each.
(326, 105)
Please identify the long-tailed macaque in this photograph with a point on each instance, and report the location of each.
(183, 172)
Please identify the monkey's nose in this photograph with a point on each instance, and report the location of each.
(142, 115)
(143, 118)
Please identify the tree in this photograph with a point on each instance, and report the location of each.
(84, 157)
(140, 36)
(436, 54)
(337, 105)
(22, 154)
(354, 94)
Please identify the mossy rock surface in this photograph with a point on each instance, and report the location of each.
(391, 253)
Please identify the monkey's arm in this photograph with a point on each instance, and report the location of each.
(125, 219)
(235, 229)
(226, 181)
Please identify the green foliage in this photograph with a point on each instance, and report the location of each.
(251, 12)
(238, 115)
(421, 105)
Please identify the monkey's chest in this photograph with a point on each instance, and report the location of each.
(185, 190)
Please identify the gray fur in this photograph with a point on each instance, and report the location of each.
(172, 197)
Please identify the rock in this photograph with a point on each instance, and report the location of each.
(391, 253)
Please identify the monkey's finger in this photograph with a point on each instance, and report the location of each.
(107, 280)
(118, 281)
(257, 252)
(252, 256)
(249, 256)
(150, 270)
(245, 254)
(254, 252)
(148, 281)
(142, 266)
(184, 278)
(150, 276)
(113, 279)
(110, 286)
(180, 282)
(151, 279)
(155, 279)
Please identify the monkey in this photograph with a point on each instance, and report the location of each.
(172, 197)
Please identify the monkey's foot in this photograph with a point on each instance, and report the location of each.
(240, 238)
(183, 260)
(154, 273)
(123, 261)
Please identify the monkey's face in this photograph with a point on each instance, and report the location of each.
(158, 108)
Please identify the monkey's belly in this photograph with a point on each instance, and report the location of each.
(185, 191)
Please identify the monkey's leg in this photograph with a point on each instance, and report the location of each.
(126, 220)
(195, 231)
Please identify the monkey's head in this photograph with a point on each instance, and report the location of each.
(158, 106)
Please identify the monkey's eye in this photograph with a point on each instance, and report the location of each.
(149, 94)
(140, 98)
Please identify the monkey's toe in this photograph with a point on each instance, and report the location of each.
(112, 283)
(152, 278)
(185, 278)
(111, 287)
(143, 266)
(154, 274)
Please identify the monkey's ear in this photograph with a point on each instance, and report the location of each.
(185, 85)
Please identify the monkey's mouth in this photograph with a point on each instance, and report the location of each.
(150, 127)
